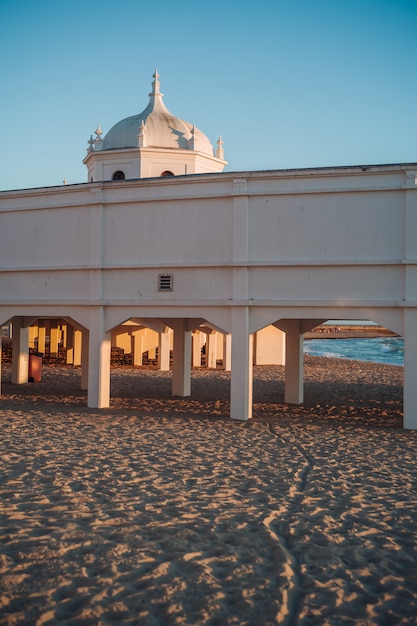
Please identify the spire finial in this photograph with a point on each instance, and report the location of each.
(141, 135)
(156, 102)
(98, 142)
(220, 151)
(193, 139)
(155, 85)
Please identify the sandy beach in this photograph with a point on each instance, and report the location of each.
(162, 510)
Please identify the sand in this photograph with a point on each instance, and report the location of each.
(163, 511)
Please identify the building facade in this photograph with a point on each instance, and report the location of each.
(234, 252)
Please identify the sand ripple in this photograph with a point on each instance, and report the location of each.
(161, 510)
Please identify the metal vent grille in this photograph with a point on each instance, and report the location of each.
(165, 282)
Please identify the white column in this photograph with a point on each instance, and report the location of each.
(227, 352)
(41, 336)
(20, 352)
(196, 348)
(54, 337)
(241, 384)
(70, 345)
(77, 346)
(211, 350)
(181, 371)
(98, 361)
(410, 314)
(294, 367)
(410, 369)
(164, 349)
(137, 346)
(84, 359)
(33, 336)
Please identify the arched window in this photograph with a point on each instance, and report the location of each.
(167, 173)
(119, 175)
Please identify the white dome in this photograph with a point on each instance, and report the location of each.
(158, 128)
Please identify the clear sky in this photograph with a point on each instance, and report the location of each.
(287, 83)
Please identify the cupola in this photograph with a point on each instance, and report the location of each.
(151, 144)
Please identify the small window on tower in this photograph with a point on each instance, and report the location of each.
(167, 173)
(119, 175)
(165, 282)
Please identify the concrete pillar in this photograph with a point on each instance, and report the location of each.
(54, 336)
(181, 371)
(41, 336)
(73, 345)
(33, 336)
(410, 314)
(196, 348)
(137, 347)
(241, 384)
(1, 346)
(294, 368)
(227, 352)
(64, 335)
(77, 346)
(211, 350)
(20, 352)
(410, 369)
(98, 361)
(85, 341)
(70, 345)
(164, 350)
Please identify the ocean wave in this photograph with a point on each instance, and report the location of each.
(376, 350)
(329, 354)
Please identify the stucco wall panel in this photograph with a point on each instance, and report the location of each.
(46, 286)
(175, 232)
(192, 226)
(188, 284)
(337, 284)
(327, 227)
(45, 238)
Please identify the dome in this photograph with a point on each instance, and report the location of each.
(156, 127)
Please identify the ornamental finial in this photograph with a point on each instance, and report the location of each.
(220, 151)
(141, 135)
(155, 85)
(90, 144)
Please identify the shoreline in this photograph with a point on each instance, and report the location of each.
(343, 333)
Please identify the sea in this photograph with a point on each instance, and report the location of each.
(388, 350)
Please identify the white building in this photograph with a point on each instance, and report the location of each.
(161, 237)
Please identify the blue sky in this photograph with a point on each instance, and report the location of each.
(301, 83)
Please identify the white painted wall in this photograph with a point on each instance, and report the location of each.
(306, 244)
(269, 347)
(109, 242)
